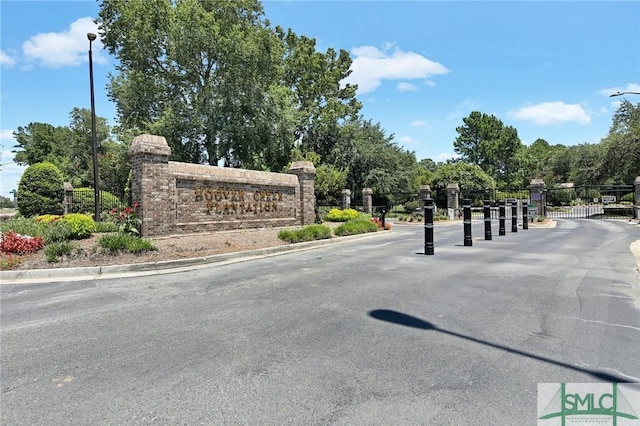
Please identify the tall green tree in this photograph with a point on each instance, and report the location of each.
(467, 176)
(375, 161)
(322, 103)
(586, 164)
(69, 148)
(485, 141)
(219, 83)
(203, 73)
(621, 162)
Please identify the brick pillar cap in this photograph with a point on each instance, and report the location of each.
(537, 182)
(67, 186)
(425, 188)
(637, 181)
(149, 144)
(346, 191)
(453, 186)
(299, 167)
(367, 191)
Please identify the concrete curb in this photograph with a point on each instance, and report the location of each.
(163, 267)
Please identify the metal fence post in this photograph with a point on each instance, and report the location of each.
(525, 214)
(514, 216)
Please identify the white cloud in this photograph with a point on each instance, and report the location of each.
(371, 66)
(444, 156)
(552, 113)
(408, 140)
(418, 123)
(403, 86)
(66, 48)
(6, 134)
(7, 60)
(630, 87)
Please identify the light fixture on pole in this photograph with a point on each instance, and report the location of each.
(623, 93)
(94, 142)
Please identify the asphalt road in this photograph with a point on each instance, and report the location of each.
(362, 332)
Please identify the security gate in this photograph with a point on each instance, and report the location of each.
(590, 202)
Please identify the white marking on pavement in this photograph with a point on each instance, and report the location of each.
(603, 323)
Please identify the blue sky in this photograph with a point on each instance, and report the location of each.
(544, 67)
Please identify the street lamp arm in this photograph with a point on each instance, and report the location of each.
(623, 93)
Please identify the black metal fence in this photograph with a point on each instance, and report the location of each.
(82, 200)
(591, 202)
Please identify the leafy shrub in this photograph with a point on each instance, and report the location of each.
(125, 242)
(57, 250)
(354, 227)
(84, 201)
(628, 197)
(337, 215)
(81, 225)
(56, 232)
(9, 261)
(48, 218)
(411, 206)
(106, 226)
(20, 244)
(560, 197)
(308, 233)
(40, 190)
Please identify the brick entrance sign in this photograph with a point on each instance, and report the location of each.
(177, 198)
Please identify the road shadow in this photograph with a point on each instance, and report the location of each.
(410, 321)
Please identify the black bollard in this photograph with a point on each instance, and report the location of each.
(428, 226)
(487, 219)
(514, 216)
(466, 218)
(525, 214)
(503, 217)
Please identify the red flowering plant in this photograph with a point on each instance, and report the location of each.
(12, 243)
(127, 220)
(378, 222)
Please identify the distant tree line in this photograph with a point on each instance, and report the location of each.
(224, 87)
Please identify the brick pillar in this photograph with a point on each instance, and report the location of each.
(306, 174)
(636, 213)
(150, 183)
(346, 199)
(367, 200)
(423, 194)
(536, 188)
(453, 200)
(68, 198)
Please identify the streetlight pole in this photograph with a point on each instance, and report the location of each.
(623, 93)
(94, 142)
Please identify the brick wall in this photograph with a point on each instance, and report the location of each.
(179, 198)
